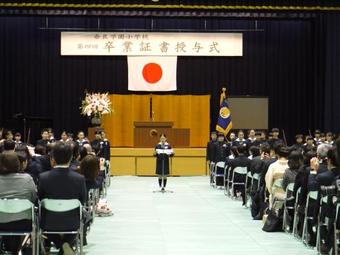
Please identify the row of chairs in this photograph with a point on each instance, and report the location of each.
(289, 205)
(315, 202)
(12, 208)
(16, 208)
(221, 171)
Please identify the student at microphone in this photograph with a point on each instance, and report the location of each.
(163, 151)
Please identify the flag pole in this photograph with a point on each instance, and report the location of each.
(150, 108)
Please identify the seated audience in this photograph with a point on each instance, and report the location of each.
(275, 172)
(89, 167)
(73, 187)
(301, 182)
(254, 151)
(14, 184)
(9, 146)
(295, 161)
(326, 178)
(75, 157)
(240, 161)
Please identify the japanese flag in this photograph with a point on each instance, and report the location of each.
(152, 73)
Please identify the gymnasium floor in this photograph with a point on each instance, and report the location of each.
(195, 219)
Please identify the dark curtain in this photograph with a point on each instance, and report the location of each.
(281, 62)
(332, 72)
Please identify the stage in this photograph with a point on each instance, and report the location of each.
(141, 162)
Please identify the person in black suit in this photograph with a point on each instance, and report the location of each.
(221, 149)
(240, 161)
(251, 138)
(95, 144)
(274, 140)
(326, 178)
(81, 139)
(45, 138)
(257, 162)
(258, 139)
(104, 150)
(298, 143)
(309, 145)
(210, 147)
(268, 159)
(61, 183)
(240, 141)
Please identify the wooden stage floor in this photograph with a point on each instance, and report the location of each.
(141, 162)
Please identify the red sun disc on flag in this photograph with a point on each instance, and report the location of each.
(152, 72)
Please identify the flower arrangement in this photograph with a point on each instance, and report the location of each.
(96, 104)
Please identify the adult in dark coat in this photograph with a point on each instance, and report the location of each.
(240, 161)
(104, 148)
(210, 147)
(61, 183)
(163, 152)
(95, 144)
(326, 179)
(275, 140)
(221, 149)
(44, 141)
(298, 143)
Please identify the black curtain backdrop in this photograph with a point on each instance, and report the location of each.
(290, 61)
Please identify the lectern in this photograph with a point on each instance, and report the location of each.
(146, 134)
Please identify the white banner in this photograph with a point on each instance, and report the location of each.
(151, 44)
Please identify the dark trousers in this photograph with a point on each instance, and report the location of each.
(13, 243)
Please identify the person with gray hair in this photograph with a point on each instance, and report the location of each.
(321, 152)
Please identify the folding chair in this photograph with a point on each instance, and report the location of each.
(246, 188)
(11, 209)
(336, 229)
(242, 171)
(296, 214)
(311, 197)
(107, 174)
(103, 174)
(287, 206)
(226, 179)
(321, 222)
(218, 173)
(93, 199)
(58, 207)
(211, 172)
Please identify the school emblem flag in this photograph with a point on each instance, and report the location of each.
(224, 122)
